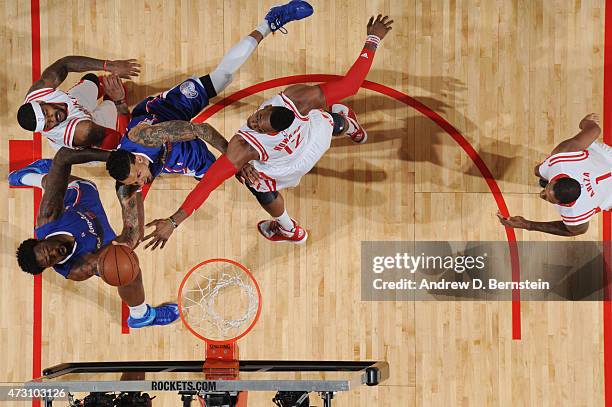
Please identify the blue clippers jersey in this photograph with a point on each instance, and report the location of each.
(185, 157)
(84, 219)
(183, 102)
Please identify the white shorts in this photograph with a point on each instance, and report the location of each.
(275, 176)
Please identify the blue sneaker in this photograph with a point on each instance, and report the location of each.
(161, 315)
(37, 167)
(295, 10)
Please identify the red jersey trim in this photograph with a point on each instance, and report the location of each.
(569, 158)
(289, 103)
(255, 143)
(38, 94)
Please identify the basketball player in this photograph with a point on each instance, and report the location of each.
(577, 179)
(72, 119)
(160, 137)
(72, 228)
(284, 139)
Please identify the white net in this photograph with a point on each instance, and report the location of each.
(219, 301)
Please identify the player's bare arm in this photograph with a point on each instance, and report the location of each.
(172, 131)
(57, 72)
(132, 213)
(87, 133)
(589, 132)
(557, 228)
(56, 182)
(239, 153)
(307, 98)
(84, 268)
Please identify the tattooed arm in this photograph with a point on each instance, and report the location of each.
(132, 211)
(57, 72)
(84, 267)
(174, 131)
(56, 181)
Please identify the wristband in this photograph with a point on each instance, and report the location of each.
(119, 102)
(373, 40)
(173, 222)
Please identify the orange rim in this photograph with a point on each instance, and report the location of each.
(180, 302)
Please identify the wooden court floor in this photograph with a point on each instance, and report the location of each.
(513, 76)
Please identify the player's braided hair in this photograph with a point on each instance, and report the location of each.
(26, 257)
(118, 164)
(566, 190)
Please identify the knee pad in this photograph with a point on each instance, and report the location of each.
(339, 123)
(264, 198)
(92, 78)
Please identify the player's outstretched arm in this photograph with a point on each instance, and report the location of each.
(589, 132)
(57, 72)
(132, 212)
(307, 98)
(557, 228)
(171, 132)
(56, 181)
(239, 153)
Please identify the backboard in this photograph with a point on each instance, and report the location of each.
(189, 379)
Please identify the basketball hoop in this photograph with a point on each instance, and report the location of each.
(219, 302)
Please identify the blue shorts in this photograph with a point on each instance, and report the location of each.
(182, 102)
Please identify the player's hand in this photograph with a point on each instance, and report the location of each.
(113, 88)
(516, 222)
(161, 234)
(589, 119)
(117, 242)
(379, 27)
(248, 174)
(124, 69)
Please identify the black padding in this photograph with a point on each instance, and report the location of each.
(208, 86)
(339, 123)
(264, 198)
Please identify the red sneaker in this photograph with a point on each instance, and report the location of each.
(271, 230)
(359, 135)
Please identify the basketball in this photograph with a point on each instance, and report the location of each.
(118, 265)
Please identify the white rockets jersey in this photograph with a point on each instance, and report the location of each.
(290, 154)
(593, 169)
(63, 133)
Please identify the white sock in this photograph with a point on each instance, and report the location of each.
(33, 180)
(231, 62)
(285, 221)
(138, 311)
(264, 28)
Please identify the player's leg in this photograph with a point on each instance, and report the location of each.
(276, 18)
(187, 99)
(31, 175)
(282, 228)
(141, 313)
(345, 123)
